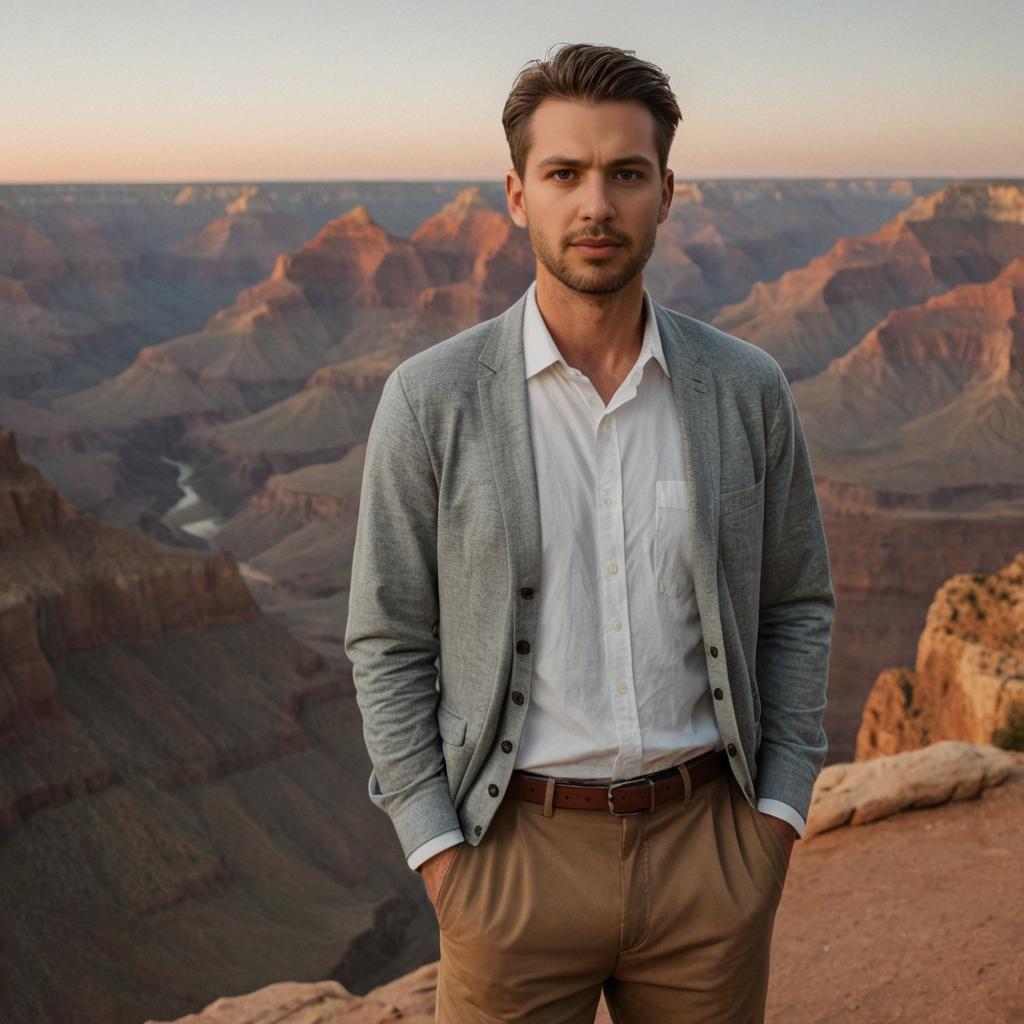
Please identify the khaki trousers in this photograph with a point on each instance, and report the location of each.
(670, 912)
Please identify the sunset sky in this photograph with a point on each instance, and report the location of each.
(309, 90)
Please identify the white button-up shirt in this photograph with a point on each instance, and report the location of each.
(620, 685)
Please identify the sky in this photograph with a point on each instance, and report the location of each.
(222, 90)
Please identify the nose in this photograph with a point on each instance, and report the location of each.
(595, 200)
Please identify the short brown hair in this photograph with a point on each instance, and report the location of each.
(581, 71)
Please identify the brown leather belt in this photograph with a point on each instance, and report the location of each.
(631, 796)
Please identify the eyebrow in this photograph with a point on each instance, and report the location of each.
(564, 161)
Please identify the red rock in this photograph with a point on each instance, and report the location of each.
(964, 233)
(968, 680)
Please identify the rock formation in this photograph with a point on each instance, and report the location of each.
(319, 424)
(352, 288)
(965, 233)
(722, 237)
(887, 564)
(928, 406)
(99, 278)
(296, 537)
(968, 680)
(491, 262)
(241, 246)
(182, 783)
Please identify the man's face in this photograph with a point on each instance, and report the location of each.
(591, 172)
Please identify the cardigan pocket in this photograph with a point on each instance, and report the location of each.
(737, 501)
(451, 726)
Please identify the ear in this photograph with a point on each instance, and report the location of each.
(667, 191)
(516, 198)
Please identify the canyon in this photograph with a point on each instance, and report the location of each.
(187, 378)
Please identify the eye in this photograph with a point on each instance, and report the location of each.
(636, 175)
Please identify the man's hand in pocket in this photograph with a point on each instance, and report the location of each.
(786, 833)
(434, 869)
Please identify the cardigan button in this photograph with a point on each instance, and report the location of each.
(478, 830)
(517, 697)
(527, 593)
(506, 745)
(714, 651)
(493, 789)
(732, 749)
(523, 646)
(718, 693)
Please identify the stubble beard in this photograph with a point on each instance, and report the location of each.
(600, 278)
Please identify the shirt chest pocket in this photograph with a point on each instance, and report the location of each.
(672, 537)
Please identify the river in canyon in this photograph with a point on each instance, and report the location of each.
(204, 528)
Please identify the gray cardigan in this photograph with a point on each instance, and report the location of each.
(442, 615)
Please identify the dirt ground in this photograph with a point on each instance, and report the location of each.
(918, 917)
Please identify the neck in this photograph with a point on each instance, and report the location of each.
(599, 334)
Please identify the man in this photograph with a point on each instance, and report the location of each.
(591, 605)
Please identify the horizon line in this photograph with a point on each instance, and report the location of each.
(478, 181)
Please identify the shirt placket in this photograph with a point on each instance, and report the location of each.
(611, 538)
(611, 552)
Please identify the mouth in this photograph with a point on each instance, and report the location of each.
(597, 246)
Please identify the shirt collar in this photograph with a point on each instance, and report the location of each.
(540, 350)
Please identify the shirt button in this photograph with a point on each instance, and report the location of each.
(621, 688)
(613, 568)
(609, 501)
(616, 625)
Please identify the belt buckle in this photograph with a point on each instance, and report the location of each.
(628, 782)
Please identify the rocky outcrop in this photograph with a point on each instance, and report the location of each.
(182, 782)
(320, 493)
(242, 245)
(965, 233)
(887, 565)
(410, 999)
(927, 410)
(36, 340)
(352, 260)
(345, 291)
(27, 502)
(915, 436)
(722, 236)
(320, 424)
(856, 793)
(133, 266)
(968, 681)
(492, 261)
(71, 584)
(26, 253)
(296, 537)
